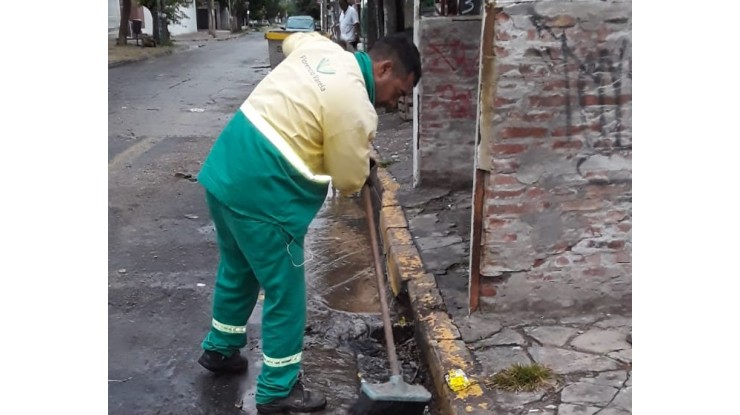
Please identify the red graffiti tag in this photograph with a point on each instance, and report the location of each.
(459, 104)
(457, 56)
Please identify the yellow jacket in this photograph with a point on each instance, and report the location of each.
(317, 101)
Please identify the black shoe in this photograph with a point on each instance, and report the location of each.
(218, 363)
(299, 400)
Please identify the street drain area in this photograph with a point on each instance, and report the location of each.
(345, 349)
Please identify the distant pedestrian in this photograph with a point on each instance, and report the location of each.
(349, 26)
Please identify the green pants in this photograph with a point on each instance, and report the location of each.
(261, 205)
(256, 254)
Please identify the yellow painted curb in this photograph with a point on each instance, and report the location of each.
(437, 336)
(396, 236)
(390, 188)
(439, 326)
(442, 356)
(403, 263)
(392, 217)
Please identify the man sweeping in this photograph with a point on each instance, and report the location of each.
(309, 122)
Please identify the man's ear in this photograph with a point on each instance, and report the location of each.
(386, 68)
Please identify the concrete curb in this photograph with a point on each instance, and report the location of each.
(128, 61)
(437, 335)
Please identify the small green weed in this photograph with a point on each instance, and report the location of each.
(522, 378)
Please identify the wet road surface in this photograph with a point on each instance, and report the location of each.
(163, 117)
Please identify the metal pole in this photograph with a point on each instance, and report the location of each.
(322, 7)
(159, 24)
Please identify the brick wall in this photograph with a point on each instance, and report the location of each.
(448, 93)
(558, 203)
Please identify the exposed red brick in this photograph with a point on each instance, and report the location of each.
(624, 257)
(498, 194)
(562, 21)
(615, 245)
(594, 259)
(570, 144)
(568, 131)
(503, 68)
(601, 33)
(589, 100)
(496, 223)
(500, 101)
(615, 216)
(551, 101)
(534, 117)
(554, 85)
(501, 35)
(526, 69)
(555, 54)
(582, 205)
(535, 192)
(503, 179)
(509, 148)
(604, 143)
(487, 289)
(586, 100)
(508, 209)
(509, 237)
(579, 260)
(438, 70)
(522, 132)
(623, 99)
(560, 247)
(562, 261)
(594, 272)
(624, 226)
(600, 191)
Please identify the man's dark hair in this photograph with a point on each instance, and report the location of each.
(400, 48)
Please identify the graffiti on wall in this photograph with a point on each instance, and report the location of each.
(458, 103)
(469, 7)
(602, 70)
(455, 56)
(455, 64)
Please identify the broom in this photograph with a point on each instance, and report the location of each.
(394, 397)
